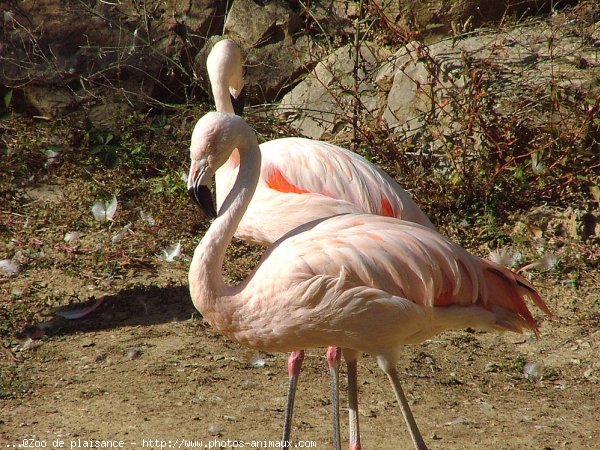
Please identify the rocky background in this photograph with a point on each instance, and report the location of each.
(486, 112)
(64, 55)
(471, 104)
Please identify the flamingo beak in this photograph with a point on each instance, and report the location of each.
(238, 101)
(199, 180)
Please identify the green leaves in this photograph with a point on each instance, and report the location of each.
(5, 114)
(105, 147)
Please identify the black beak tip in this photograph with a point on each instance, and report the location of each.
(202, 197)
(239, 102)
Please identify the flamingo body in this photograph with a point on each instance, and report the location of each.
(302, 180)
(371, 284)
(361, 282)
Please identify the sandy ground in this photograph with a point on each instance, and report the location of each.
(145, 370)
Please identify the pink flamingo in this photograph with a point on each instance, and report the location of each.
(303, 180)
(362, 282)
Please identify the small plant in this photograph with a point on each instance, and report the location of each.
(115, 149)
(105, 147)
(159, 121)
(4, 111)
(551, 373)
(11, 383)
(13, 315)
(519, 363)
(169, 184)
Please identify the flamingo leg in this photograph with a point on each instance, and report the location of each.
(294, 365)
(334, 355)
(354, 443)
(415, 434)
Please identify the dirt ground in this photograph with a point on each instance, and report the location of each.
(145, 367)
(145, 370)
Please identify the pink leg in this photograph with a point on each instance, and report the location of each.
(333, 360)
(351, 362)
(415, 434)
(294, 365)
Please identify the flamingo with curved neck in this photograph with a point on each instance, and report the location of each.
(362, 282)
(303, 180)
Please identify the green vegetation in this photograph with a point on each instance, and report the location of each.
(4, 107)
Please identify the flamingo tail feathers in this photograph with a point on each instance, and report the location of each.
(506, 299)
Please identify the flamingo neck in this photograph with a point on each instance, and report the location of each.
(224, 175)
(221, 94)
(211, 296)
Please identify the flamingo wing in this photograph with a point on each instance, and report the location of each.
(399, 257)
(354, 268)
(304, 166)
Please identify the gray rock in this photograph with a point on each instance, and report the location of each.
(267, 34)
(425, 84)
(270, 70)
(49, 101)
(107, 114)
(318, 106)
(255, 24)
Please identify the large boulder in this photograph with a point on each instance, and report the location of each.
(424, 84)
(319, 105)
(511, 66)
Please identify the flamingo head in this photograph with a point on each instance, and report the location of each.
(199, 191)
(214, 138)
(225, 67)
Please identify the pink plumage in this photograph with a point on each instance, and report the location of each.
(302, 180)
(372, 282)
(362, 282)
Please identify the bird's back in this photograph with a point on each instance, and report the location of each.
(406, 281)
(303, 180)
(308, 166)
